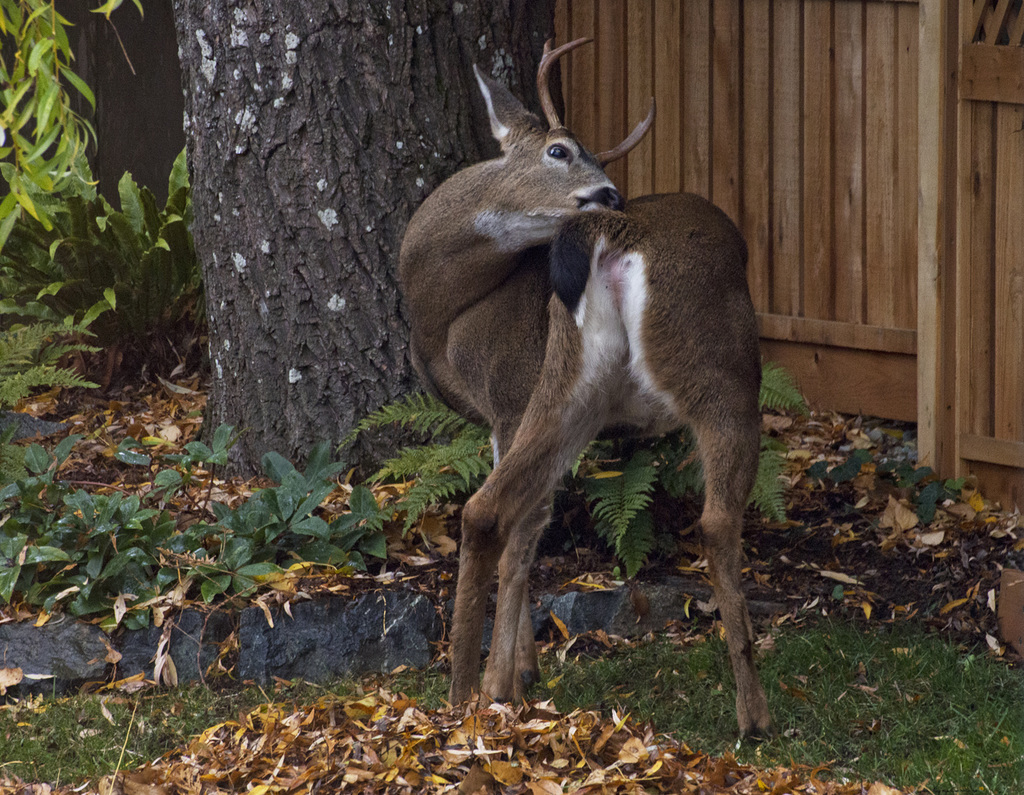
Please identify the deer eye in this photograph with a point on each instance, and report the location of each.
(558, 152)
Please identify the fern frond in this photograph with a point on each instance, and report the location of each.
(767, 493)
(619, 509)
(467, 455)
(633, 547)
(440, 472)
(28, 359)
(434, 488)
(418, 412)
(779, 391)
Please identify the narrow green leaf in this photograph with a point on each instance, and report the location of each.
(38, 52)
(82, 87)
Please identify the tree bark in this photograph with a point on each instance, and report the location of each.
(314, 129)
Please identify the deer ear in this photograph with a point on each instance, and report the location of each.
(504, 110)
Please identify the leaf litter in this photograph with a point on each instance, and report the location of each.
(384, 742)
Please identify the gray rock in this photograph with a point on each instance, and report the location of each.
(28, 426)
(327, 639)
(65, 653)
(193, 645)
(587, 611)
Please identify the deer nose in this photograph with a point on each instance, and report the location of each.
(607, 196)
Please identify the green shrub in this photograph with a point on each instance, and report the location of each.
(97, 555)
(140, 262)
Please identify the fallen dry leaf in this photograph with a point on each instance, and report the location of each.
(9, 677)
(898, 516)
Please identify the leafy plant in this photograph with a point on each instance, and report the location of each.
(619, 508)
(140, 262)
(96, 554)
(42, 139)
(924, 487)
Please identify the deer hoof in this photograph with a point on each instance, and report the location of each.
(528, 678)
(758, 733)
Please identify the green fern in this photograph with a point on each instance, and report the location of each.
(619, 508)
(455, 463)
(29, 359)
(778, 393)
(767, 493)
(778, 390)
(29, 356)
(418, 412)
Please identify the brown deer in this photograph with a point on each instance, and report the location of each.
(544, 305)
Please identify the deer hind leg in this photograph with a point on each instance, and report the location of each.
(513, 506)
(478, 559)
(730, 464)
(512, 662)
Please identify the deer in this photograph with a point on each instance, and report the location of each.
(543, 304)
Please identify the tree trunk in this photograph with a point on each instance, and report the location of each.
(314, 129)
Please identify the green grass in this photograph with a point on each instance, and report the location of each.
(897, 705)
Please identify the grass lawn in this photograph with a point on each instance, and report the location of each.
(897, 705)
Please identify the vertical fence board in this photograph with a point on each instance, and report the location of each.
(848, 203)
(880, 198)
(786, 161)
(610, 43)
(1009, 273)
(640, 91)
(696, 122)
(905, 281)
(668, 174)
(581, 111)
(974, 280)
(757, 114)
(817, 161)
(564, 33)
(727, 89)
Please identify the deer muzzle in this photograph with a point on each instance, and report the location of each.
(606, 197)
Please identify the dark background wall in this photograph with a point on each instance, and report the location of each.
(138, 116)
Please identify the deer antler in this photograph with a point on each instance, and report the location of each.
(604, 158)
(546, 62)
(544, 70)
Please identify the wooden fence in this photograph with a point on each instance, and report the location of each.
(882, 209)
(989, 326)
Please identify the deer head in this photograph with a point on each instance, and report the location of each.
(543, 176)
